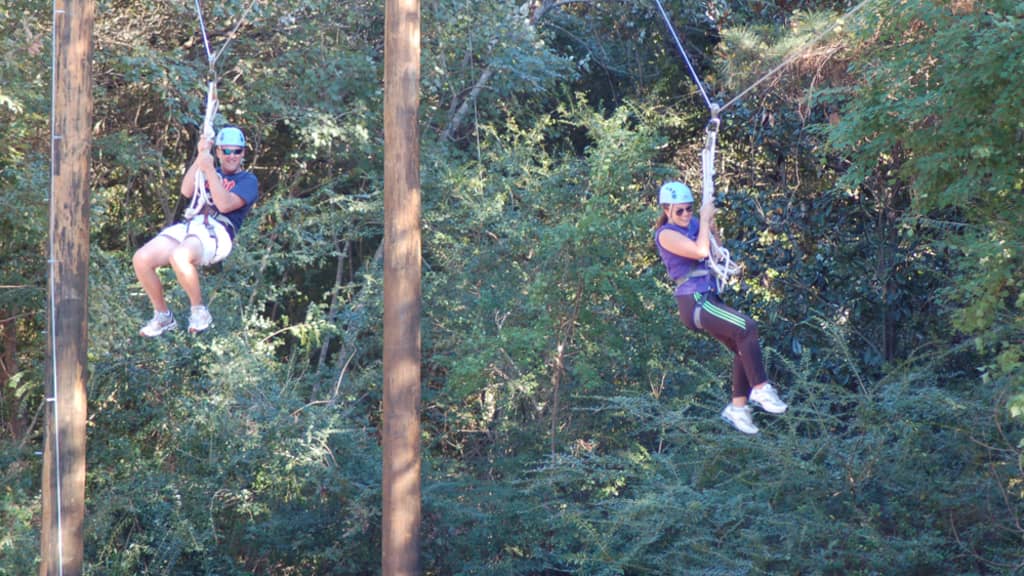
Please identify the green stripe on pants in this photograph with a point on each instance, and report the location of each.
(719, 313)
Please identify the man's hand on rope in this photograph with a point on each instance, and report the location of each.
(204, 153)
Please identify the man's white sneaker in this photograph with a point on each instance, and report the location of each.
(160, 322)
(768, 399)
(199, 320)
(739, 417)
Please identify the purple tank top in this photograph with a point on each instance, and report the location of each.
(680, 267)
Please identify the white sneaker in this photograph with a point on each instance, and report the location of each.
(199, 320)
(160, 322)
(768, 399)
(739, 417)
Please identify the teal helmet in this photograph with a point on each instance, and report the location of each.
(675, 193)
(230, 136)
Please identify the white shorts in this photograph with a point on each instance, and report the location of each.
(212, 235)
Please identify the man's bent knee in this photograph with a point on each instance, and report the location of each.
(185, 255)
(155, 253)
(181, 258)
(146, 258)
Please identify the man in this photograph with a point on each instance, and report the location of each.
(205, 236)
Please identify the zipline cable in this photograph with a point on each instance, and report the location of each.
(202, 29)
(231, 35)
(789, 60)
(210, 56)
(686, 57)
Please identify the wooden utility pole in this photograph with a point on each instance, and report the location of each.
(61, 547)
(402, 265)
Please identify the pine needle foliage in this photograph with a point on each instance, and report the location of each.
(834, 487)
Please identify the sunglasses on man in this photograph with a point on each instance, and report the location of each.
(231, 151)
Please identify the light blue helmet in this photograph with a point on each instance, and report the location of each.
(675, 193)
(230, 136)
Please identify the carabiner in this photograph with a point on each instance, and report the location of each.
(715, 122)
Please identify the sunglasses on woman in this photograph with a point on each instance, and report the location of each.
(688, 209)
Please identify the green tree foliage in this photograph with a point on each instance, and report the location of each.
(938, 97)
(24, 189)
(871, 190)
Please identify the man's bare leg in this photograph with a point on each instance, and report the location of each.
(153, 255)
(184, 260)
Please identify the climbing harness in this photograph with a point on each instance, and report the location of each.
(698, 273)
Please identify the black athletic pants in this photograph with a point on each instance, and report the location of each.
(705, 312)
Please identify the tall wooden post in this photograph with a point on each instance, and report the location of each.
(61, 547)
(401, 434)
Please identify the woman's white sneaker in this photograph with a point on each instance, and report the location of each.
(739, 417)
(768, 399)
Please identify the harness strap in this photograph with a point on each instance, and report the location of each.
(698, 298)
(216, 217)
(208, 226)
(693, 274)
(224, 221)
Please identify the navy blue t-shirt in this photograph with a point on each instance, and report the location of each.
(247, 187)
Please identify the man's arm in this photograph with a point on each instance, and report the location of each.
(224, 201)
(188, 183)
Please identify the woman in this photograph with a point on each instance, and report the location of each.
(684, 244)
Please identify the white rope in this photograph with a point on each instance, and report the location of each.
(719, 261)
(199, 195)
